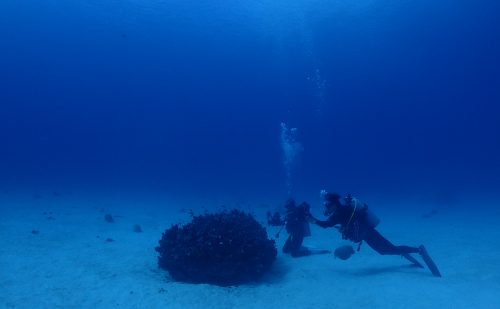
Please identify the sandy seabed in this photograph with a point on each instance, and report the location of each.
(55, 253)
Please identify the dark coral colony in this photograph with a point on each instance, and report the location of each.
(225, 248)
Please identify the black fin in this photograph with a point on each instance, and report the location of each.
(321, 251)
(413, 260)
(430, 263)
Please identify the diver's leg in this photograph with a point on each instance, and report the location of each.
(380, 244)
(287, 247)
(412, 259)
(297, 249)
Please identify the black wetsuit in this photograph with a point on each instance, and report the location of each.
(354, 227)
(297, 228)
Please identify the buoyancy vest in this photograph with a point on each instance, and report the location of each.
(359, 220)
(361, 210)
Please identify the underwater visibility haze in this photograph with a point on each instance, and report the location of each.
(121, 120)
(385, 98)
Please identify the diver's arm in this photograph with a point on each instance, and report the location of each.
(324, 224)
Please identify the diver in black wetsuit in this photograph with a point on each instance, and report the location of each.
(297, 227)
(357, 224)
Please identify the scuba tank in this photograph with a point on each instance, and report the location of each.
(371, 219)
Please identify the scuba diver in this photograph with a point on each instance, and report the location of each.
(297, 228)
(357, 224)
(296, 224)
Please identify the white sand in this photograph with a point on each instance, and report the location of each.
(70, 265)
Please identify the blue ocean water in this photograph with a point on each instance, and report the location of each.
(388, 98)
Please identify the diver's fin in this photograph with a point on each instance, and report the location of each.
(430, 263)
(413, 260)
(321, 251)
(314, 251)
